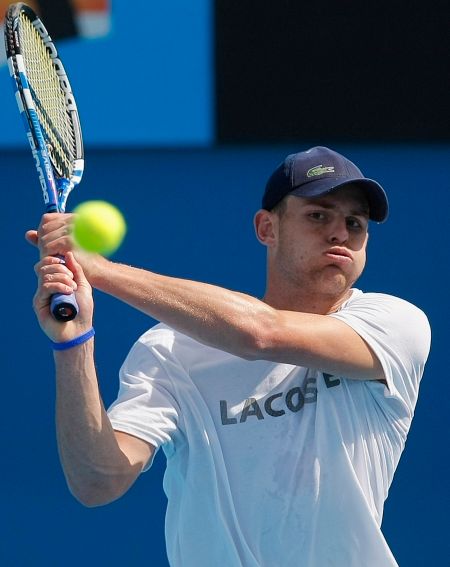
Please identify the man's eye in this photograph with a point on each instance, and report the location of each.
(317, 215)
(353, 223)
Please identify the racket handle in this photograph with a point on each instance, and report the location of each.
(63, 307)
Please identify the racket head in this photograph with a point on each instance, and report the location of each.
(46, 103)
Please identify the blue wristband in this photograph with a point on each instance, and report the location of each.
(73, 342)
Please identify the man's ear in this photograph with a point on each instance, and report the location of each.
(266, 227)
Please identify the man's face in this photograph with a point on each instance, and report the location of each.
(321, 241)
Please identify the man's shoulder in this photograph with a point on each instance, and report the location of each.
(386, 314)
(161, 334)
(162, 337)
(158, 330)
(383, 301)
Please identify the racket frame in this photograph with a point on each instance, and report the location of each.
(55, 188)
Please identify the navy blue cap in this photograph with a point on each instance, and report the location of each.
(318, 171)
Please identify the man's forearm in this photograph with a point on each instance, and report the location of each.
(228, 320)
(96, 470)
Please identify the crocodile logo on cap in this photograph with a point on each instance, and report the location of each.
(319, 170)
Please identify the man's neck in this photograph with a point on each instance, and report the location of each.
(305, 301)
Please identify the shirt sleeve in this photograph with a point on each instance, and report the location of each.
(145, 406)
(399, 335)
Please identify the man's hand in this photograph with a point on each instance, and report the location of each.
(54, 276)
(54, 237)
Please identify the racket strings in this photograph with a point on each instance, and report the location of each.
(50, 101)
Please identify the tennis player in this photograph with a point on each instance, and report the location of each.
(282, 419)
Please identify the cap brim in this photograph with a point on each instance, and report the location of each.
(376, 196)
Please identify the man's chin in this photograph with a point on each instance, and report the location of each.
(335, 284)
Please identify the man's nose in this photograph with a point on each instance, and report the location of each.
(338, 232)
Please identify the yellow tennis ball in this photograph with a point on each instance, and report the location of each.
(99, 227)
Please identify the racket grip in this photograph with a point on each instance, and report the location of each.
(64, 307)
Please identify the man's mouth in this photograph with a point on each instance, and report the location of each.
(339, 255)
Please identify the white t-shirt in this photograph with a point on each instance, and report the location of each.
(275, 465)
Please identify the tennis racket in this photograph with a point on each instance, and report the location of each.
(50, 117)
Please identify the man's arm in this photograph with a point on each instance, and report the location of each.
(228, 320)
(99, 464)
(241, 324)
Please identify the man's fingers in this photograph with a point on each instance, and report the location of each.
(75, 267)
(47, 262)
(51, 221)
(55, 233)
(58, 223)
(54, 276)
(50, 279)
(56, 246)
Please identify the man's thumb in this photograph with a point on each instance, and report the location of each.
(31, 237)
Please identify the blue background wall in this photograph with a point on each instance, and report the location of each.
(191, 217)
(150, 81)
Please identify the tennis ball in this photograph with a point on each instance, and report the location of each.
(99, 227)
